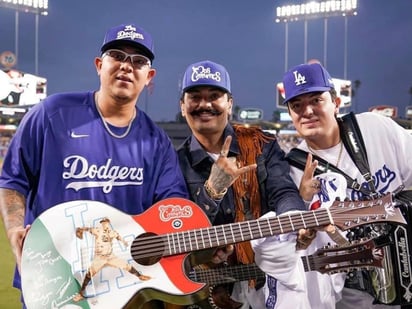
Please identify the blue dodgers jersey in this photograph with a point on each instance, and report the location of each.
(63, 146)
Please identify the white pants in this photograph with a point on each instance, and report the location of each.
(248, 296)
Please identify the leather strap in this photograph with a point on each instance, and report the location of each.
(354, 144)
(297, 158)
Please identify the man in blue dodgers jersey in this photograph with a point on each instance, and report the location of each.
(243, 174)
(94, 145)
(313, 106)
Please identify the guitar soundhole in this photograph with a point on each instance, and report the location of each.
(147, 249)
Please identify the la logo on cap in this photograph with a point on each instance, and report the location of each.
(299, 78)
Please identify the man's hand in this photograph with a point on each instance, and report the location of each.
(305, 238)
(222, 254)
(225, 171)
(16, 237)
(308, 184)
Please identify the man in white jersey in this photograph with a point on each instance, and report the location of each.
(95, 145)
(313, 107)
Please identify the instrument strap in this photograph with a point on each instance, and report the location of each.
(353, 142)
(297, 158)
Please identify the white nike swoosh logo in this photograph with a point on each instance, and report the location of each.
(74, 135)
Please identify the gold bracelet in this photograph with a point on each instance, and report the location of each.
(212, 193)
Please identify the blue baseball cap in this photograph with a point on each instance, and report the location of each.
(306, 78)
(206, 73)
(129, 34)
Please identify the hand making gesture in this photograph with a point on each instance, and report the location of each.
(309, 185)
(224, 172)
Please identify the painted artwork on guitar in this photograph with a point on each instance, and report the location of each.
(55, 261)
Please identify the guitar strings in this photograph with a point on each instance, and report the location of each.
(226, 274)
(333, 259)
(186, 241)
(330, 260)
(156, 244)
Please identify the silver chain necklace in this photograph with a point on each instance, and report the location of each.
(106, 125)
(339, 155)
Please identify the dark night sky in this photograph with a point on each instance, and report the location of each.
(241, 35)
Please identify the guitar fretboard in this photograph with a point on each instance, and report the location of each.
(343, 214)
(330, 259)
(221, 235)
(226, 274)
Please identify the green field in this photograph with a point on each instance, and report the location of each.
(9, 296)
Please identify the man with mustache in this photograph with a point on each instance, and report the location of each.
(242, 173)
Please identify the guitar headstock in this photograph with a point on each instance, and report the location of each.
(358, 255)
(349, 214)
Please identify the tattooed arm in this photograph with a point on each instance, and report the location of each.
(12, 207)
(224, 172)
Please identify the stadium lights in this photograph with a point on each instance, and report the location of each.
(37, 7)
(28, 6)
(315, 9)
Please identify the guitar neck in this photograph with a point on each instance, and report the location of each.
(220, 235)
(149, 248)
(334, 259)
(330, 259)
(227, 274)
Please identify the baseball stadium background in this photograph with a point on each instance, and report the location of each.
(25, 90)
(18, 92)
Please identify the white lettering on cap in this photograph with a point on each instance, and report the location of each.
(129, 32)
(201, 72)
(299, 78)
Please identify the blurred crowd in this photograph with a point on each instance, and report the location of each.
(4, 145)
(288, 141)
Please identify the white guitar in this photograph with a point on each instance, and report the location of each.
(54, 260)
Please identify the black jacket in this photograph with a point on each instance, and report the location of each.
(277, 189)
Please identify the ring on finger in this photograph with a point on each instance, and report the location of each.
(311, 234)
(316, 184)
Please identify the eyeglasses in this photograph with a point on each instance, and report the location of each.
(138, 61)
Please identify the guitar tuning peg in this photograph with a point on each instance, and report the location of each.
(350, 273)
